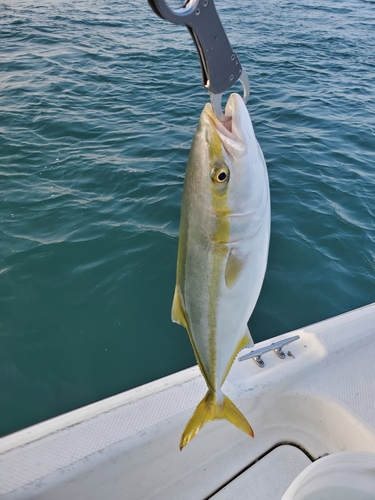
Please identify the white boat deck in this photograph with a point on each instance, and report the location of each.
(268, 478)
(320, 399)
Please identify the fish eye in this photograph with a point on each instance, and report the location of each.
(220, 174)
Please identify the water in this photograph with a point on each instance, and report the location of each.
(98, 105)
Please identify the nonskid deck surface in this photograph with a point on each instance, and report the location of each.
(269, 477)
(319, 399)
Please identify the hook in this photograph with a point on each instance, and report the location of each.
(220, 65)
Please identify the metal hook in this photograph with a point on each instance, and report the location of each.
(220, 65)
(216, 98)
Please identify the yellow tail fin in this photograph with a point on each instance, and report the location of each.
(210, 409)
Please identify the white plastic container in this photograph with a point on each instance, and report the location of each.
(341, 476)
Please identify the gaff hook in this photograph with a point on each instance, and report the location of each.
(220, 66)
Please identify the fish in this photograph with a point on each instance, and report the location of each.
(222, 252)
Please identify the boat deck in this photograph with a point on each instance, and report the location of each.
(285, 462)
(320, 399)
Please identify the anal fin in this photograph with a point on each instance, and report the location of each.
(246, 341)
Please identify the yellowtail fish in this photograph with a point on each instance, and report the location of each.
(222, 252)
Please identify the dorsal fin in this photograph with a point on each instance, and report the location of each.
(178, 310)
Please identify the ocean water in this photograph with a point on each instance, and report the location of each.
(99, 101)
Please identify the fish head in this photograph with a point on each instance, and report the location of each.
(221, 157)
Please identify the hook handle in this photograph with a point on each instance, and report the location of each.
(176, 16)
(219, 63)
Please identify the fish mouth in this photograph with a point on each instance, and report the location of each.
(231, 132)
(224, 128)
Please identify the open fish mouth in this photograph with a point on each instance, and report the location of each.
(231, 132)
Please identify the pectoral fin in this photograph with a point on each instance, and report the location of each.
(178, 311)
(233, 268)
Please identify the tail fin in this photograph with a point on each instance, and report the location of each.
(209, 409)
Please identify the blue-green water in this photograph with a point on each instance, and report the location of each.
(98, 105)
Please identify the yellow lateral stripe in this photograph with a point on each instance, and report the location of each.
(222, 232)
(186, 320)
